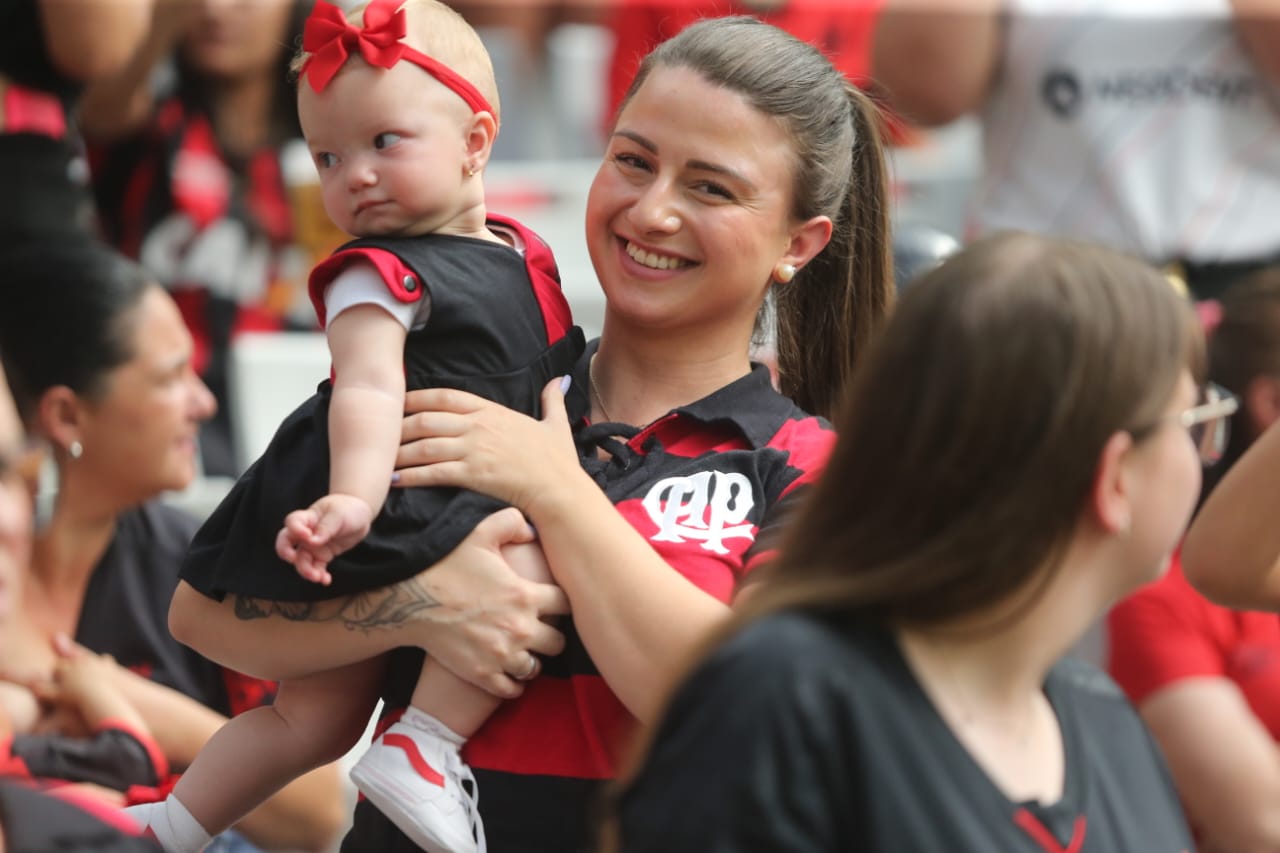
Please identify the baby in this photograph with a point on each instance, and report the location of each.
(399, 109)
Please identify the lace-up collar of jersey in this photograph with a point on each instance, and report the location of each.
(615, 440)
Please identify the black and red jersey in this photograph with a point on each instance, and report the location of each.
(808, 735)
(707, 486)
(115, 755)
(35, 821)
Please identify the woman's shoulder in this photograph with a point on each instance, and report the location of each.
(1081, 690)
(156, 527)
(837, 656)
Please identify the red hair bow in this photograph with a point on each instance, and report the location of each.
(332, 40)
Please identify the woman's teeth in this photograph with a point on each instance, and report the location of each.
(653, 261)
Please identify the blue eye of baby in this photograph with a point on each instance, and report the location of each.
(383, 140)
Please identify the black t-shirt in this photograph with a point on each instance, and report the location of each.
(803, 736)
(126, 612)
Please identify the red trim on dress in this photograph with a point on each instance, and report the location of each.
(392, 270)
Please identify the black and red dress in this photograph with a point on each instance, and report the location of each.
(496, 325)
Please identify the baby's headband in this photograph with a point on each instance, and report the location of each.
(331, 40)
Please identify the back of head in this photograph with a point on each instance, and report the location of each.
(830, 310)
(67, 317)
(445, 36)
(1243, 347)
(973, 431)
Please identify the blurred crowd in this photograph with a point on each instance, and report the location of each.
(161, 202)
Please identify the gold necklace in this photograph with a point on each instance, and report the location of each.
(595, 389)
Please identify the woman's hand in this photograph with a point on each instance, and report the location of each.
(452, 438)
(495, 616)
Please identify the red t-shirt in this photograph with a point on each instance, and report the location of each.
(1167, 631)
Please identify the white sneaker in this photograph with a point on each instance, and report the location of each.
(415, 776)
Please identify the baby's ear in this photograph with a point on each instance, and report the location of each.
(481, 134)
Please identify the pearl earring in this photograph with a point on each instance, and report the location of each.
(76, 449)
(783, 273)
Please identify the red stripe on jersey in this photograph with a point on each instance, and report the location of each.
(245, 691)
(419, 764)
(681, 437)
(808, 446)
(573, 727)
(691, 547)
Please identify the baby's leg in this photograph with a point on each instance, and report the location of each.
(414, 773)
(314, 720)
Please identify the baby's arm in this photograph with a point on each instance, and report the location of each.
(367, 345)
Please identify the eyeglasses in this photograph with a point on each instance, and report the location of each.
(1208, 422)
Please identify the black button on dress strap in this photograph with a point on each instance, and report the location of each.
(410, 283)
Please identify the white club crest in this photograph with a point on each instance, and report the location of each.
(710, 506)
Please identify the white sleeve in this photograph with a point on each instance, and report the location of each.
(360, 284)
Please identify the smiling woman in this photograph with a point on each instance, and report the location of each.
(101, 368)
(653, 515)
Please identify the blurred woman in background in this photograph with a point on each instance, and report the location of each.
(49, 50)
(119, 410)
(189, 173)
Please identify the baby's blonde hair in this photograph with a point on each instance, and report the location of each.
(444, 35)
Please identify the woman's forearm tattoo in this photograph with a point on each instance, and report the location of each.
(363, 611)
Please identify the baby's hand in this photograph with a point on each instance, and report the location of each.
(312, 537)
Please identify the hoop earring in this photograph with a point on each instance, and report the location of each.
(75, 448)
(783, 273)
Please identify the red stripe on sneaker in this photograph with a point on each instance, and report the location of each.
(415, 758)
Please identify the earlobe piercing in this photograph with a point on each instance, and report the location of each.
(76, 449)
(471, 171)
(783, 273)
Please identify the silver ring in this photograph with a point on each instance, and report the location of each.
(530, 672)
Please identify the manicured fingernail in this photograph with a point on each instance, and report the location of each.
(565, 382)
(395, 476)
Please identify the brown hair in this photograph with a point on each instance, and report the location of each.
(972, 433)
(444, 35)
(827, 314)
(1245, 344)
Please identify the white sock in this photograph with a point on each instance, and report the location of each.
(172, 825)
(425, 722)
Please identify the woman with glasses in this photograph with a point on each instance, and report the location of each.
(1206, 678)
(1013, 457)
